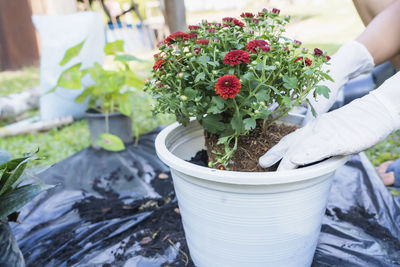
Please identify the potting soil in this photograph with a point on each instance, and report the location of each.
(119, 209)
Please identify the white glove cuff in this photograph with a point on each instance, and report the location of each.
(389, 95)
(353, 59)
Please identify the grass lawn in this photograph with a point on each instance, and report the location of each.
(18, 81)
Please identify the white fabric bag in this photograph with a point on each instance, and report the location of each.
(57, 34)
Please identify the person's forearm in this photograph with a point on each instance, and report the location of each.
(382, 35)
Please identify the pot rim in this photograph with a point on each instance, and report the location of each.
(242, 178)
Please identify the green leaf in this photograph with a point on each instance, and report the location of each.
(125, 105)
(269, 68)
(110, 142)
(19, 197)
(199, 77)
(249, 124)
(213, 124)
(190, 93)
(237, 123)
(322, 90)
(289, 82)
(204, 62)
(264, 113)
(248, 76)
(262, 96)
(223, 140)
(71, 53)
(71, 77)
(213, 63)
(259, 66)
(114, 47)
(133, 80)
(127, 58)
(13, 171)
(214, 110)
(220, 102)
(314, 113)
(82, 97)
(231, 71)
(326, 76)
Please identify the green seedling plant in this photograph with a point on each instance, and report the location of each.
(110, 90)
(231, 74)
(14, 191)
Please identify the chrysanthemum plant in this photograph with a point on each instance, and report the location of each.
(229, 75)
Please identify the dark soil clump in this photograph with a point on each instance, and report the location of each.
(250, 147)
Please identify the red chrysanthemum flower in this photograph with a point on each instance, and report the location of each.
(276, 11)
(238, 23)
(256, 20)
(176, 36)
(211, 30)
(228, 86)
(202, 42)
(192, 35)
(307, 61)
(158, 64)
(156, 55)
(229, 21)
(197, 50)
(252, 46)
(247, 15)
(236, 57)
(193, 27)
(318, 52)
(328, 58)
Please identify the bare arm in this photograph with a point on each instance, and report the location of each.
(382, 35)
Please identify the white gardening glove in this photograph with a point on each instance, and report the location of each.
(350, 129)
(351, 60)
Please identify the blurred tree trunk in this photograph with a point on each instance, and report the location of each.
(18, 45)
(175, 15)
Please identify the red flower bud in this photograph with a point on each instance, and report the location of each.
(318, 52)
(276, 11)
(193, 27)
(296, 43)
(247, 15)
(202, 42)
(221, 167)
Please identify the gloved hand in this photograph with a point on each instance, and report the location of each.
(351, 60)
(350, 129)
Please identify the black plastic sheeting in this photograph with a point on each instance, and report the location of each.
(119, 209)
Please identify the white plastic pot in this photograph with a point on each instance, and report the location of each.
(245, 219)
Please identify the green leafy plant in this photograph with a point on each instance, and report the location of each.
(14, 195)
(109, 90)
(229, 75)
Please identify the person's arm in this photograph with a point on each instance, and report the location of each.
(382, 35)
(358, 125)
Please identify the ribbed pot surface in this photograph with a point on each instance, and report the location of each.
(245, 219)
